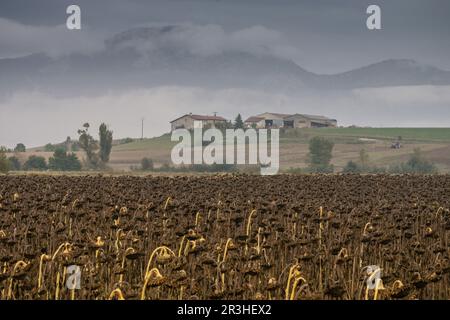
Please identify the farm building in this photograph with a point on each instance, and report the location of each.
(191, 121)
(255, 122)
(280, 120)
(308, 121)
(266, 120)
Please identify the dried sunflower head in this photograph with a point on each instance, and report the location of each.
(154, 278)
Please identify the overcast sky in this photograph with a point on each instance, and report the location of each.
(322, 36)
(330, 35)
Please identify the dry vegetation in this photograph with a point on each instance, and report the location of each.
(225, 237)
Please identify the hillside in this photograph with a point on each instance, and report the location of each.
(435, 142)
(426, 135)
(423, 135)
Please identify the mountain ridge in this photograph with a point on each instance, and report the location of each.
(158, 56)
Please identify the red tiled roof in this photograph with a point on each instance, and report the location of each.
(254, 119)
(201, 117)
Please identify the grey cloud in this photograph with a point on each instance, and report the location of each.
(18, 39)
(210, 40)
(331, 35)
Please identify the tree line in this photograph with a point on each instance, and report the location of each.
(97, 154)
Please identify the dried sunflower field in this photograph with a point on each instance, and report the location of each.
(225, 237)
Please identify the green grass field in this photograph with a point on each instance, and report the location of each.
(162, 142)
(410, 134)
(339, 135)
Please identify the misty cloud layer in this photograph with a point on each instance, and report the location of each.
(210, 40)
(17, 40)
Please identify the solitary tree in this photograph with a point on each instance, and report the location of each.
(418, 164)
(363, 158)
(35, 163)
(20, 147)
(351, 167)
(63, 161)
(238, 123)
(320, 154)
(106, 137)
(14, 163)
(49, 147)
(146, 164)
(68, 144)
(88, 144)
(4, 163)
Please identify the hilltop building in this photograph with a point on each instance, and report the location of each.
(281, 120)
(260, 121)
(191, 121)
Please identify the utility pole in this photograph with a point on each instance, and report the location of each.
(142, 129)
(214, 121)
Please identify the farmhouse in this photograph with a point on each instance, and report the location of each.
(191, 121)
(266, 120)
(280, 120)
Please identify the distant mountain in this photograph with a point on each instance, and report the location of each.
(141, 58)
(388, 73)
